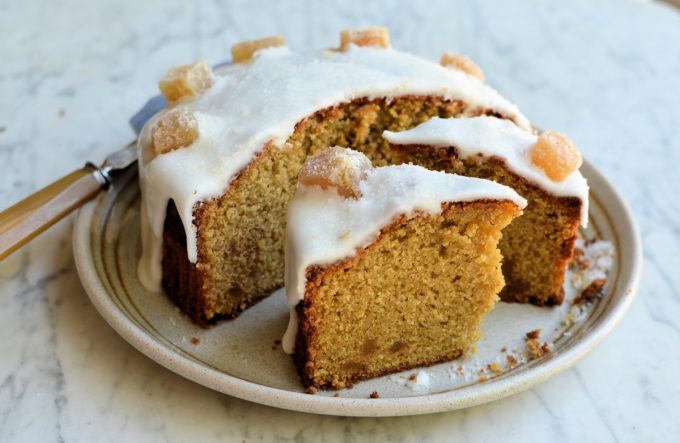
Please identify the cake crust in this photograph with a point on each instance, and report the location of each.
(307, 353)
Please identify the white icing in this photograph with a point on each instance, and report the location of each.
(490, 136)
(251, 104)
(324, 227)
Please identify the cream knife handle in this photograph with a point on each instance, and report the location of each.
(25, 220)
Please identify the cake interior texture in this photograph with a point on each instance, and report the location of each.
(537, 246)
(416, 296)
(241, 234)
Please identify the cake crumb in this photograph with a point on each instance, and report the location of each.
(375, 394)
(533, 348)
(413, 377)
(536, 349)
(534, 334)
(495, 368)
(337, 394)
(511, 360)
(350, 386)
(504, 349)
(195, 340)
(591, 292)
(579, 259)
(483, 378)
(311, 390)
(545, 348)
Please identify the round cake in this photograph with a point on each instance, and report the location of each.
(218, 167)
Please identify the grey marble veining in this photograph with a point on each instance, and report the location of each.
(607, 73)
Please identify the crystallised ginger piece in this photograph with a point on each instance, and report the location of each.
(186, 81)
(177, 129)
(377, 37)
(556, 155)
(461, 63)
(244, 51)
(336, 167)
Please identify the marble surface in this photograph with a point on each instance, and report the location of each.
(607, 73)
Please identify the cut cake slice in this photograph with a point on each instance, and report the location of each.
(388, 268)
(543, 169)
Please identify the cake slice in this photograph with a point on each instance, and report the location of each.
(388, 268)
(543, 169)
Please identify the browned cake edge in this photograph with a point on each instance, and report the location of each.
(306, 311)
(183, 281)
(513, 292)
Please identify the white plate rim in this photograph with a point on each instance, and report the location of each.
(629, 276)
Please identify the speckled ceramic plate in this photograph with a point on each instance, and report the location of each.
(240, 358)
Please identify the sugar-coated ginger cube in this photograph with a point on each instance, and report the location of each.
(244, 51)
(340, 168)
(186, 81)
(177, 129)
(461, 63)
(376, 36)
(556, 155)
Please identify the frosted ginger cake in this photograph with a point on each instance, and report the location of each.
(218, 167)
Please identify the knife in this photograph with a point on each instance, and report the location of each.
(22, 222)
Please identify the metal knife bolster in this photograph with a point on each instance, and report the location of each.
(118, 161)
(31, 216)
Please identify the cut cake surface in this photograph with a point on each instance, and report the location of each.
(399, 274)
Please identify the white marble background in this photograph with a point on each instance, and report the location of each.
(71, 72)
